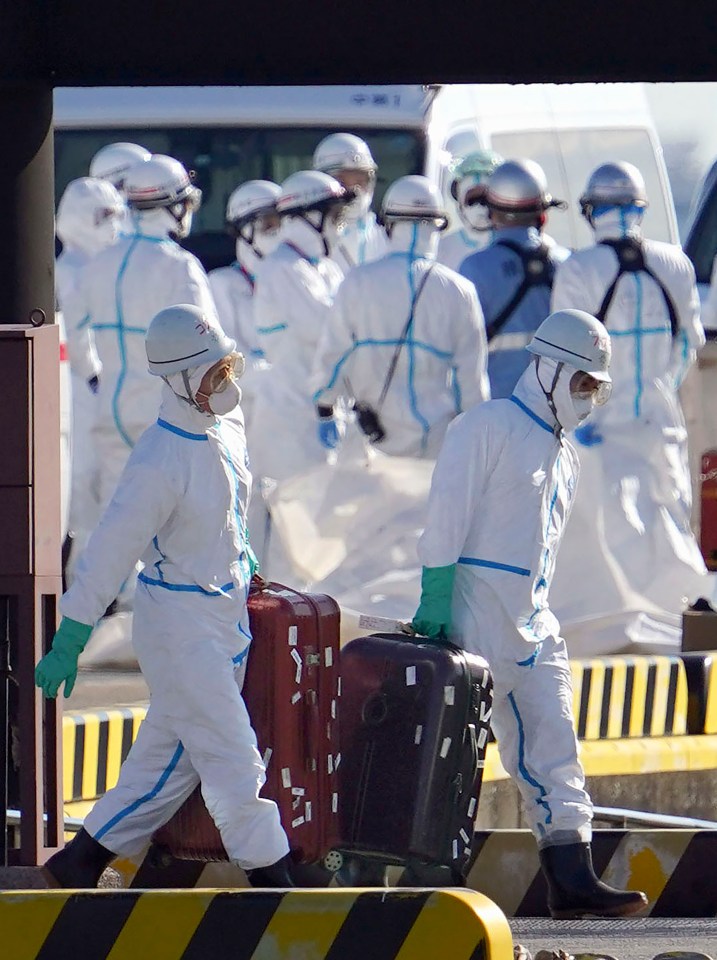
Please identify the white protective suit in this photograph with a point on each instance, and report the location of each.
(357, 241)
(295, 290)
(123, 289)
(500, 498)
(233, 291)
(642, 555)
(82, 239)
(181, 505)
(441, 368)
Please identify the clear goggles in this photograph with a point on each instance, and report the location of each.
(228, 368)
(585, 386)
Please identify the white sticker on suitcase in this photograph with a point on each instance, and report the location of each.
(482, 737)
(296, 697)
(334, 802)
(419, 734)
(285, 777)
(445, 747)
(337, 761)
(267, 756)
(410, 676)
(472, 807)
(296, 657)
(298, 791)
(297, 823)
(455, 849)
(338, 687)
(329, 657)
(333, 709)
(330, 763)
(307, 811)
(485, 711)
(464, 836)
(449, 696)
(293, 636)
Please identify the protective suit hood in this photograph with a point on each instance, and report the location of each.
(75, 222)
(618, 222)
(416, 239)
(571, 412)
(307, 239)
(157, 223)
(247, 257)
(529, 391)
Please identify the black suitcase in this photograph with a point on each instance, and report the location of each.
(414, 724)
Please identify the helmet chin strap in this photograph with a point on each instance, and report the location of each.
(549, 394)
(320, 229)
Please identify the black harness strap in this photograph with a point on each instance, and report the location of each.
(631, 259)
(538, 271)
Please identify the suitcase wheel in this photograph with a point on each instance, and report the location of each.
(334, 860)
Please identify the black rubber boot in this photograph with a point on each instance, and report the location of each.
(575, 891)
(275, 875)
(79, 864)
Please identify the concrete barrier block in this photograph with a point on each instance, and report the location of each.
(349, 924)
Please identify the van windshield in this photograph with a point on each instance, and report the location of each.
(224, 157)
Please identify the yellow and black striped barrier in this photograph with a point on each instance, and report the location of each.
(94, 745)
(615, 698)
(253, 925)
(675, 868)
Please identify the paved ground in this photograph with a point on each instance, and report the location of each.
(623, 939)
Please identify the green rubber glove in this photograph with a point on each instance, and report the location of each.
(60, 664)
(433, 617)
(253, 562)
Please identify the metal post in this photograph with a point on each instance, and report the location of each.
(30, 581)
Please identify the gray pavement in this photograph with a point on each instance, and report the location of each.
(636, 939)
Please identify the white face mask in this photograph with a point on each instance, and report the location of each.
(266, 242)
(359, 206)
(476, 217)
(226, 399)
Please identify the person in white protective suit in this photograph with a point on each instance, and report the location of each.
(181, 505)
(500, 499)
(357, 237)
(252, 218)
(295, 290)
(125, 287)
(514, 274)
(88, 220)
(634, 451)
(468, 189)
(113, 161)
(405, 340)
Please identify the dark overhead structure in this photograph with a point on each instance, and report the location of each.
(48, 43)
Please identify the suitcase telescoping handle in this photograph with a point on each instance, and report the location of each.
(312, 721)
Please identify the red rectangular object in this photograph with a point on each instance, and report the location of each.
(414, 728)
(708, 509)
(291, 691)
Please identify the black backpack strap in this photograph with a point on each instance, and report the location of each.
(538, 271)
(631, 259)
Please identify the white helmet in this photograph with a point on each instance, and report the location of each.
(575, 338)
(414, 198)
(114, 160)
(310, 190)
(613, 185)
(519, 187)
(251, 200)
(183, 336)
(89, 213)
(162, 183)
(343, 151)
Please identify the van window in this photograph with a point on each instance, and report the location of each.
(701, 243)
(569, 157)
(224, 157)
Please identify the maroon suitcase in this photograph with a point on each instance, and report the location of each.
(291, 691)
(414, 728)
(708, 509)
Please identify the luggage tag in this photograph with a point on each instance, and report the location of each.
(385, 625)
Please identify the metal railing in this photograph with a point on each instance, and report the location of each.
(645, 819)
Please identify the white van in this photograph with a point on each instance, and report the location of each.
(231, 134)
